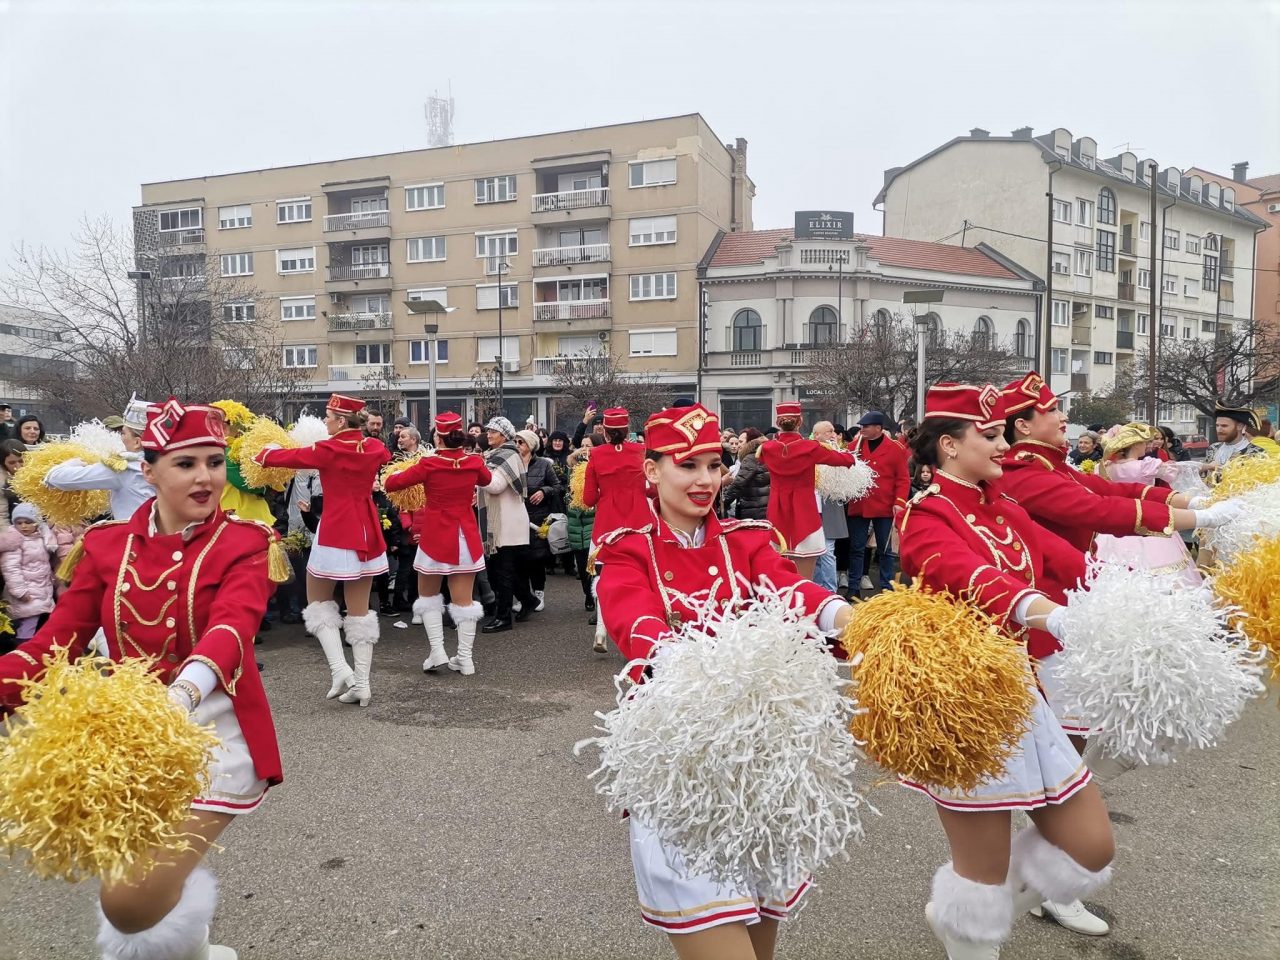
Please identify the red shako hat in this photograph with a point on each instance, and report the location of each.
(983, 405)
(175, 426)
(789, 408)
(617, 418)
(447, 421)
(1030, 391)
(683, 432)
(344, 404)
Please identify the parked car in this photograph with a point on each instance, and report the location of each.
(1196, 444)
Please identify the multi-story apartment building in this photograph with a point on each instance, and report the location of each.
(25, 367)
(543, 247)
(1099, 231)
(773, 301)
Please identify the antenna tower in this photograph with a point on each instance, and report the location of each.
(439, 114)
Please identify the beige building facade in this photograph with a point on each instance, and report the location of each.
(576, 243)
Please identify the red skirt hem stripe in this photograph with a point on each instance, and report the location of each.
(1032, 803)
(749, 914)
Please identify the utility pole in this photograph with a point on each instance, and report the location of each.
(1153, 326)
(1046, 330)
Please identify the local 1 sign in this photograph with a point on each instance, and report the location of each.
(824, 225)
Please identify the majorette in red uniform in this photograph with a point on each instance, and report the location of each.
(349, 544)
(192, 600)
(793, 506)
(614, 482)
(450, 545)
(962, 536)
(643, 572)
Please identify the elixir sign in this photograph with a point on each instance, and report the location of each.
(824, 225)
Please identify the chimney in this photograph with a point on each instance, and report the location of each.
(1240, 172)
(977, 133)
(1022, 133)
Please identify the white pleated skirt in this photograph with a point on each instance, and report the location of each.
(337, 563)
(1074, 725)
(423, 562)
(234, 784)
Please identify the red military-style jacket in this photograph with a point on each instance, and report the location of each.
(348, 463)
(981, 545)
(893, 478)
(1076, 505)
(194, 596)
(645, 573)
(450, 478)
(614, 484)
(792, 461)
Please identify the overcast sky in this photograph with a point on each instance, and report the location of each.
(99, 96)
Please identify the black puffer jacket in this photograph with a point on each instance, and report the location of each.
(750, 488)
(541, 475)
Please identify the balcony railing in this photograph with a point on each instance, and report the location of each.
(181, 237)
(822, 255)
(360, 271)
(359, 371)
(1081, 334)
(551, 366)
(748, 358)
(339, 322)
(356, 221)
(1228, 266)
(570, 199)
(1128, 245)
(1127, 291)
(1227, 308)
(584, 253)
(571, 310)
(1124, 339)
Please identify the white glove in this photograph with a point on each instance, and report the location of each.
(1056, 624)
(1219, 514)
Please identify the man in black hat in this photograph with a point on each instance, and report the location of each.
(1232, 440)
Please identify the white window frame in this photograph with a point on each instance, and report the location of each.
(1062, 211)
(1061, 263)
(1191, 244)
(1144, 231)
(438, 294)
(241, 264)
(309, 353)
(1084, 212)
(1058, 354)
(1144, 278)
(638, 228)
(654, 332)
(384, 350)
(289, 206)
(1084, 263)
(180, 211)
(421, 346)
(292, 304)
(500, 189)
(510, 348)
(1172, 239)
(413, 255)
(1061, 313)
(242, 311)
(369, 254)
(657, 164)
(1190, 287)
(1188, 333)
(1099, 308)
(428, 190)
(236, 216)
(659, 286)
(311, 259)
(494, 244)
(509, 293)
(1104, 358)
(1144, 323)
(1169, 283)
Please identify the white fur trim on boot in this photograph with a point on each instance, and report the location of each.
(1050, 870)
(467, 618)
(971, 919)
(323, 621)
(362, 634)
(429, 611)
(182, 934)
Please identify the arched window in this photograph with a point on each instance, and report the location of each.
(1106, 206)
(984, 333)
(823, 327)
(748, 331)
(1022, 338)
(882, 318)
(935, 328)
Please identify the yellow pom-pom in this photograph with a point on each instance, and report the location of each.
(943, 692)
(410, 498)
(252, 442)
(578, 483)
(98, 771)
(6, 623)
(1252, 584)
(66, 507)
(1242, 474)
(238, 415)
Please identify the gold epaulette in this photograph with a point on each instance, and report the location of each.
(72, 560)
(728, 526)
(1026, 456)
(278, 567)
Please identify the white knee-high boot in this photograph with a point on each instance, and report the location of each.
(1039, 866)
(182, 934)
(362, 634)
(971, 919)
(431, 611)
(324, 622)
(600, 643)
(466, 618)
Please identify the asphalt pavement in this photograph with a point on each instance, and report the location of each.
(451, 820)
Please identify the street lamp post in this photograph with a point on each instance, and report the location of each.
(922, 333)
(142, 276)
(432, 308)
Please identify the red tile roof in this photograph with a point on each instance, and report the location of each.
(742, 249)
(1265, 184)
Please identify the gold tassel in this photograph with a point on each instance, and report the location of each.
(278, 567)
(69, 563)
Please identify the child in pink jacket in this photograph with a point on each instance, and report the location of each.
(27, 550)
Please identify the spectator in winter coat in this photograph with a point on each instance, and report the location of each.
(30, 431)
(876, 511)
(27, 550)
(749, 490)
(581, 522)
(543, 497)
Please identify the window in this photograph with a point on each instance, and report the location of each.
(418, 351)
(1192, 244)
(1211, 273)
(1103, 358)
(1211, 242)
(238, 312)
(1062, 263)
(294, 210)
(487, 349)
(368, 205)
(1084, 212)
(439, 294)
(297, 308)
(1168, 326)
(237, 264)
(653, 286)
(371, 303)
(498, 244)
(747, 331)
(1190, 288)
(238, 358)
(1106, 207)
(1104, 312)
(652, 230)
(495, 189)
(1208, 326)
(824, 327)
(1170, 284)
(189, 268)
(653, 343)
(984, 332)
(299, 260)
(1187, 332)
(487, 296)
(1022, 339)
(1084, 263)
(1143, 321)
(1144, 278)
(1062, 211)
(1106, 251)
(652, 173)
(423, 249)
(366, 255)
(1061, 313)
(188, 218)
(1059, 359)
(373, 354)
(233, 218)
(1144, 231)
(1171, 238)
(426, 196)
(304, 356)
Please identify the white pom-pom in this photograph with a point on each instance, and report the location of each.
(1187, 479)
(1260, 519)
(845, 484)
(94, 435)
(1153, 664)
(309, 430)
(738, 751)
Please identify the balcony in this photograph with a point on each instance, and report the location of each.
(357, 372)
(349, 326)
(1128, 245)
(168, 239)
(571, 310)
(1226, 308)
(367, 225)
(568, 205)
(1079, 382)
(559, 256)
(823, 256)
(1228, 266)
(552, 366)
(790, 356)
(353, 277)
(1127, 291)
(1081, 333)
(1124, 339)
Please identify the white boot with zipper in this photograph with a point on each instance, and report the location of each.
(362, 634)
(323, 621)
(430, 611)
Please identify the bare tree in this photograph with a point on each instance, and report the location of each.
(601, 377)
(1108, 406)
(186, 332)
(484, 393)
(380, 388)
